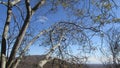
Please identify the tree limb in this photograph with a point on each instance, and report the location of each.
(15, 2)
(21, 34)
(4, 3)
(27, 46)
(21, 13)
(10, 3)
(39, 4)
(47, 56)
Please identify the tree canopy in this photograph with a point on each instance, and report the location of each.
(57, 25)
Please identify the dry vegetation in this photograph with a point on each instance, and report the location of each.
(31, 62)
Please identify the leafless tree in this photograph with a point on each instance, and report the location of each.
(63, 31)
(8, 63)
(60, 47)
(111, 49)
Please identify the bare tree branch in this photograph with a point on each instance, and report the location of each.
(4, 3)
(27, 46)
(47, 56)
(21, 34)
(15, 2)
(21, 13)
(10, 3)
(14, 17)
(39, 4)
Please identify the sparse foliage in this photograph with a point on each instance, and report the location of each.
(111, 50)
(83, 18)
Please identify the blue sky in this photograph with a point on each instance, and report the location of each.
(46, 23)
(2, 16)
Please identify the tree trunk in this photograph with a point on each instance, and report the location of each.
(9, 63)
(4, 37)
